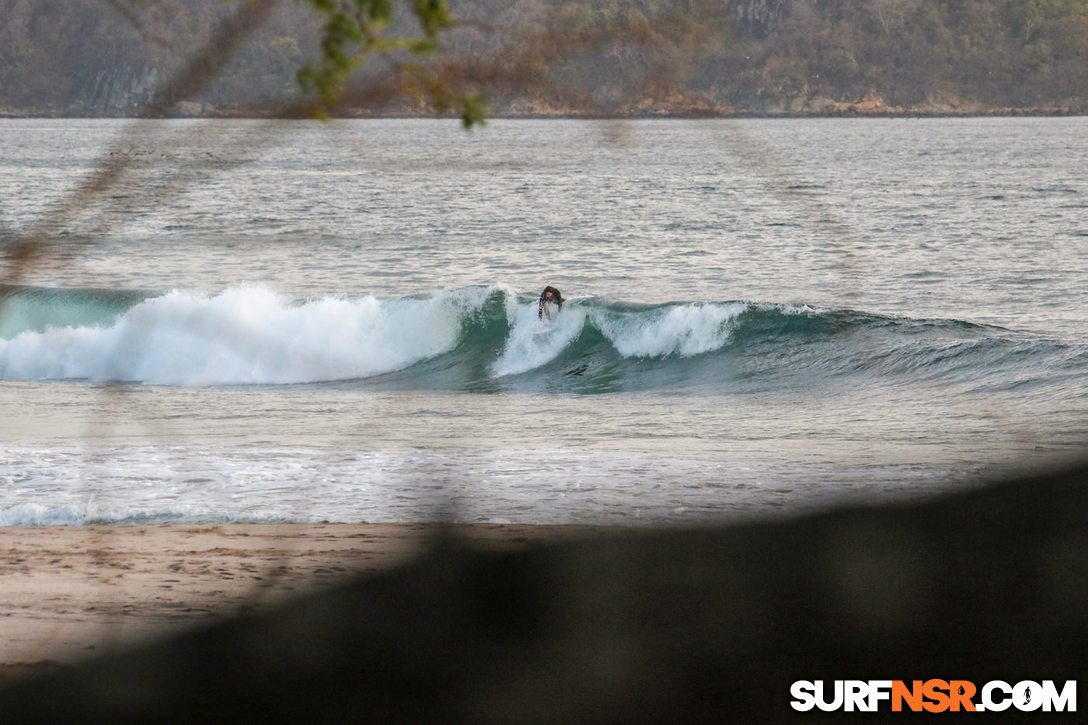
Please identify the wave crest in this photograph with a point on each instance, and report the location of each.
(245, 335)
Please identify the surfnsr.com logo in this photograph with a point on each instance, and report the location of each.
(933, 696)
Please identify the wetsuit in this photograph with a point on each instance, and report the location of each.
(550, 294)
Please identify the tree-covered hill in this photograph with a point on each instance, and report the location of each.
(109, 57)
(623, 57)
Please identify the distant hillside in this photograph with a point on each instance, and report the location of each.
(86, 57)
(534, 57)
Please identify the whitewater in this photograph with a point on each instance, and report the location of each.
(277, 322)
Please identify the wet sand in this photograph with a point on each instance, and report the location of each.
(69, 593)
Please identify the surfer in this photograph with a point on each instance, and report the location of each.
(547, 297)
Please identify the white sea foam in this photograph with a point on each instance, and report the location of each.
(245, 335)
(532, 342)
(553, 484)
(691, 329)
(686, 330)
(33, 514)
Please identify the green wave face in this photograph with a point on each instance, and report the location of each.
(36, 309)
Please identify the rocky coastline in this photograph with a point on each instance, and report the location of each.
(871, 105)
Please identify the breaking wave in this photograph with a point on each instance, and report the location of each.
(489, 339)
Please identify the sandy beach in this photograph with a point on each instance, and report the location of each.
(73, 592)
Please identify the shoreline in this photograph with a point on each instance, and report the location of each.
(701, 115)
(75, 592)
(655, 626)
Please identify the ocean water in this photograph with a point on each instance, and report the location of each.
(291, 321)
